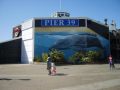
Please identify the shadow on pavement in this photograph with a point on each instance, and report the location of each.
(24, 79)
(117, 68)
(8, 79)
(61, 74)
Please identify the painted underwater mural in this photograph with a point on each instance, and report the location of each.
(69, 42)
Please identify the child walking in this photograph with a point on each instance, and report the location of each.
(53, 69)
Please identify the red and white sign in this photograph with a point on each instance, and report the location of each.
(17, 31)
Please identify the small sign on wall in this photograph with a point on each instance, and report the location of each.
(17, 31)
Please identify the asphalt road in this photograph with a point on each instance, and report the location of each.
(69, 77)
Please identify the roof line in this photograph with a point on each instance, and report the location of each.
(11, 40)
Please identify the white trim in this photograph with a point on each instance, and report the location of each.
(33, 32)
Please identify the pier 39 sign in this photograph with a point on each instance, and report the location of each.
(59, 22)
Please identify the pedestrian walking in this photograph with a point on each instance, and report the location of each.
(49, 65)
(111, 62)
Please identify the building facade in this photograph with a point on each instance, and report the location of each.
(64, 33)
(69, 35)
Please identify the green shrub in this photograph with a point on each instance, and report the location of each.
(72, 59)
(56, 55)
(86, 60)
(37, 59)
(93, 55)
(44, 57)
(76, 58)
(85, 57)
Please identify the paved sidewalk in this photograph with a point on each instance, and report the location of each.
(69, 77)
(95, 86)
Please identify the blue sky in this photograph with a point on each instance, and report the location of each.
(13, 12)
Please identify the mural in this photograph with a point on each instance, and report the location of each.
(69, 42)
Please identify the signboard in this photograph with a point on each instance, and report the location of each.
(16, 31)
(59, 22)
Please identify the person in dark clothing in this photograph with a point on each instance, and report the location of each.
(111, 62)
(49, 65)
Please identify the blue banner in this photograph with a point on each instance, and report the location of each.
(60, 22)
